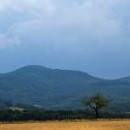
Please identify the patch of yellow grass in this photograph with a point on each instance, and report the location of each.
(79, 125)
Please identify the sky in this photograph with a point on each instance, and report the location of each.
(87, 35)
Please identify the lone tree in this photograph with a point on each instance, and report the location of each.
(96, 103)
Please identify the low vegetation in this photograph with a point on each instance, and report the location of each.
(52, 115)
(95, 103)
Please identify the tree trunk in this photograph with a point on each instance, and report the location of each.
(96, 114)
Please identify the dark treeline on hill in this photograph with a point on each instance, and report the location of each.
(50, 115)
(20, 112)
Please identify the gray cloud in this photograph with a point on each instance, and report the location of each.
(93, 18)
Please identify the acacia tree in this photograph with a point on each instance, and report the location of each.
(96, 103)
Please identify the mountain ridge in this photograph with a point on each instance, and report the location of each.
(44, 67)
(55, 88)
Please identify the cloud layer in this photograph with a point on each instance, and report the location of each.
(58, 20)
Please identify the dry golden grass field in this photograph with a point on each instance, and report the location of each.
(79, 125)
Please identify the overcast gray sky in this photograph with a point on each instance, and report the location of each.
(87, 35)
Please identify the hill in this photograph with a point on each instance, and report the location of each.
(60, 89)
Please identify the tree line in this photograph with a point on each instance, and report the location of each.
(51, 115)
(92, 110)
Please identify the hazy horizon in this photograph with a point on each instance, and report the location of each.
(92, 36)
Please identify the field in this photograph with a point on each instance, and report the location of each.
(79, 125)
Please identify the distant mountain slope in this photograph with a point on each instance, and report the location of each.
(126, 79)
(53, 88)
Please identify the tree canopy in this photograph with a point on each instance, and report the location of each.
(96, 103)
